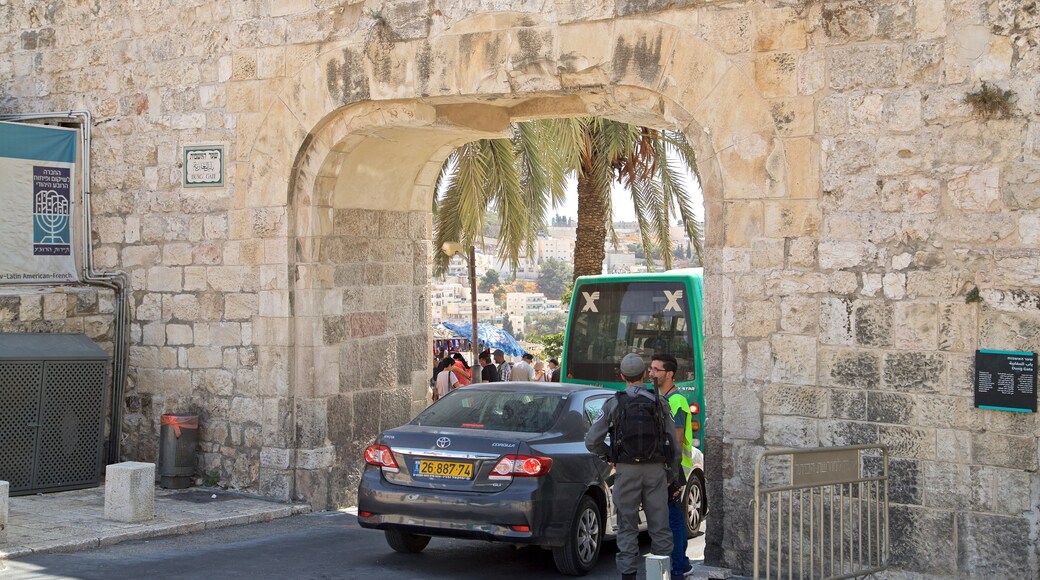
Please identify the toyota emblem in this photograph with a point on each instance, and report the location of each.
(443, 443)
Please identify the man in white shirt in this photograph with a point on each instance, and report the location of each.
(523, 371)
(446, 381)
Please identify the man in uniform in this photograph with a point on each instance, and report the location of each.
(643, 478)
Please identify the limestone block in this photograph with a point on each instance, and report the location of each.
(1003, 450)
(872, 323)
(794, 359)
(953, 445)
(803, 168)
(730, 30)
(894, 285)
(784, 431)
(840, 433)
(922, 63)
(849, 368)
(835, 323)
(5, 491)
(130, 492)
(986, 558)
(839, 254)
(743, 223)
(891, 408)
(695, 69)
(1000, 490)
(928, 540)
(792, 219)
(775, 73)
(975, 143)
(930, 21)
(1029, 228)
(800, 401)
(902, 112)
(732, 359)
(779, 29)
(979, 228)
(759, 364)
(743, 410)
(976, 191)
(756, 318)
(848, 404)
(801, 253)
(767, 253)
(865, 114)
(848, 156)
(179, 334)
(905, 154)
(872, 66)
(736, 260)
(915, 372)
(916, 326)
(799, 314)
(908, 441)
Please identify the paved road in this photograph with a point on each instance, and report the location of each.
(322, 545)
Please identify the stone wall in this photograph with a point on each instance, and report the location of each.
(852, 199)
(71, 309)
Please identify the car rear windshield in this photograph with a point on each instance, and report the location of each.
(473, 408)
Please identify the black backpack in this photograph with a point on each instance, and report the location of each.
(638, 434)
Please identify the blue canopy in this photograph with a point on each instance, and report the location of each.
(489, 336)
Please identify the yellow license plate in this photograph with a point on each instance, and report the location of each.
(443, 469)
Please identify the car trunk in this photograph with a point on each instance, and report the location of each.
(448, 458)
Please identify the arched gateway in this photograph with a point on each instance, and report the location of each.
(852, 201)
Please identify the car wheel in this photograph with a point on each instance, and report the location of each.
(405, 542)
(693, 505)
(585, 538)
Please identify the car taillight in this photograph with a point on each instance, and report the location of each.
(380, 456)
(520, 466)
(694, 408)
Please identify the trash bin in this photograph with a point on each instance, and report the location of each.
(178, 437)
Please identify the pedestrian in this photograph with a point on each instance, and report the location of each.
(446, 380)
(523, 371)
(662, 376)
(504, 367)
(540, 374)
(643, 452)
(554, 370)
(488, 372)
(462, 370)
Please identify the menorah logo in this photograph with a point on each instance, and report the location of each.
(51, 211)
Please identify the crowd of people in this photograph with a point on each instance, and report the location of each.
(453, 370)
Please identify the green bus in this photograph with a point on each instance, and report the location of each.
(615, 314)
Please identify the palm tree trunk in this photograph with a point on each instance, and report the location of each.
(591, 235)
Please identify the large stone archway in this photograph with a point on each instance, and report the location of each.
(853, 202)
(362, 180)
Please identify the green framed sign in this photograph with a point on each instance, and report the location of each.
(203, 165)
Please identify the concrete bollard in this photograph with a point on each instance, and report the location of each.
(130, 492)
(658, 567)
(5, 492)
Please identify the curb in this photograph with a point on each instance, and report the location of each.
(151, 531)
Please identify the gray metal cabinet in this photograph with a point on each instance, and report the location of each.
(52, 397)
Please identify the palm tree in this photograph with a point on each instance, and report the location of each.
(523, 176)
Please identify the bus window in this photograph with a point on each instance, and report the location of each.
(614, 319)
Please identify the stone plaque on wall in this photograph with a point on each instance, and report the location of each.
(203, 166)
(1005, 380)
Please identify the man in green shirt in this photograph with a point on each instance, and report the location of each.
(662, 375)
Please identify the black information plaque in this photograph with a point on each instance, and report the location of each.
(1005, 380)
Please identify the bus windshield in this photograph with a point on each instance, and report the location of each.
(613, 319)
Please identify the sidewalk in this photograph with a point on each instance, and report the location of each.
(74, 520)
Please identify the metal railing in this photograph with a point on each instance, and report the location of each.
(826, 517)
